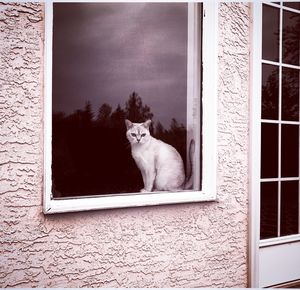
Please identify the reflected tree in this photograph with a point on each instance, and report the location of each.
(290, 38)
(88, 114)
(270, 91)
(92, 155)
(118, 117)
(135, 111)
(290, 95)
(104, 114)
(159, 131)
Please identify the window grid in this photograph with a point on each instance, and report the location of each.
(281, 122)
(264, 61)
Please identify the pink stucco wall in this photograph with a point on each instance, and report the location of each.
(189, 245)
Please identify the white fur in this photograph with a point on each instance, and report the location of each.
(160, 164)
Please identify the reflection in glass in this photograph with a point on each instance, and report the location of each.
(113, 61)
(270, 91)
(269, 150)
(289, 220)
(294, 5)
(290, 38)
(270, 33)
(290, 151)
(290, 94)
(268, 210)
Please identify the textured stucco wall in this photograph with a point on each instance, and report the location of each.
(192, 245)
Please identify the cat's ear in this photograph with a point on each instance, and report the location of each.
(147, 124)
(128, 124)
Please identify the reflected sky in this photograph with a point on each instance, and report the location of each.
(270, 73)
(103, 52)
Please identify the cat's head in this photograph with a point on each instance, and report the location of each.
(138, 133)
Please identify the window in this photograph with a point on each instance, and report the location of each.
(274, 203)
(107, 62)
(280, 121)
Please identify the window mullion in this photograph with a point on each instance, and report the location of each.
(280, 119)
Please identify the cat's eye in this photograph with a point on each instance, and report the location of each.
(143, 135)
(133, 134)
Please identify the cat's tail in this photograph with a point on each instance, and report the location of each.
(188, 184)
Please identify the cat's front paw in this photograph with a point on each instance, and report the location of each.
(143, 190)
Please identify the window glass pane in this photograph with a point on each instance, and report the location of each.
(270, 91)
(290, 151)
(290, 94)
(290, 38)
(294, 5)
(112, 62)
(270, 33)
(268, 210)
(269, 150)
(289, 217)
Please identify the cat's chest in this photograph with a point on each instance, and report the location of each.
(143, 154)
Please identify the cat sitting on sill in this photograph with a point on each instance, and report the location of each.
(160, 163)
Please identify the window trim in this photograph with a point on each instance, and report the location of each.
(209, 126)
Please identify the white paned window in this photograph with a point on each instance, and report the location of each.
(111, 62)
(280, 121)
(275, 158)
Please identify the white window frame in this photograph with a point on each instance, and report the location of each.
(209, 126)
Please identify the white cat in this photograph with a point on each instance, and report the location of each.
(160, 164)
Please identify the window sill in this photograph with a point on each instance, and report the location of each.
(64, 205)
(279, 241)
